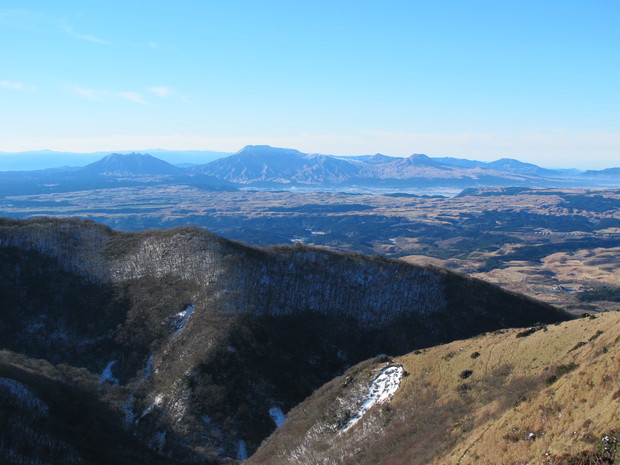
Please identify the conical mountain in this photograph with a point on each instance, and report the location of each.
(133, 164)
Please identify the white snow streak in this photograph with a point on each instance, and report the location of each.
(158, 402)
(180, 320)
(277, 416)
(381, 390)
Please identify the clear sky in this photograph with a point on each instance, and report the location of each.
(535, 80)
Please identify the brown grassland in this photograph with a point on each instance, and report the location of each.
(544, 395)
(484, 233)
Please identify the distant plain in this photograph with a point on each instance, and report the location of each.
(553, 244)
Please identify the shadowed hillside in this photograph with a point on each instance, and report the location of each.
(197, 341)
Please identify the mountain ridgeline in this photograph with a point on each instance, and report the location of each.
(261, 166)
(195, 344)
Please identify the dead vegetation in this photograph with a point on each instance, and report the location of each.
(496, 408)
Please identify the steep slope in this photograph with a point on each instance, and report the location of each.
(210, 340)
(545, 395)
(64, 415)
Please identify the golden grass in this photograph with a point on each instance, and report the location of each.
(570, 415)
(485, 400)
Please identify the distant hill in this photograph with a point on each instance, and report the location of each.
(179, 347)
(460, 162)
(606, 173)
(510, 165)
(133, 164)
(377, 158)
(113, 170)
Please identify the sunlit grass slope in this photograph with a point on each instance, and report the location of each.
(525, 396)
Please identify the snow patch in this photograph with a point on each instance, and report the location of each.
(180, 320)
(242, 450)
(107, 374)
(158, 402)
(381, 390)
(277, 416)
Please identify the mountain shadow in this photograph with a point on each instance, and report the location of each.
(197, 340)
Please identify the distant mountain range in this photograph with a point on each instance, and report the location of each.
(261, 166)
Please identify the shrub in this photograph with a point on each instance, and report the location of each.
(596, 335)
(529, 331)
(560, 371)
(578, 345)
(551, 379)
(567, 368)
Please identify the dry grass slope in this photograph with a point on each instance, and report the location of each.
(535, 396)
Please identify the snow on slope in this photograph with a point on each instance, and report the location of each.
(180, 320)
(277, 416)
(381, 390)
(107, 374)
(242, 451)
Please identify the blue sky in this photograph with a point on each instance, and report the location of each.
(535, 80)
